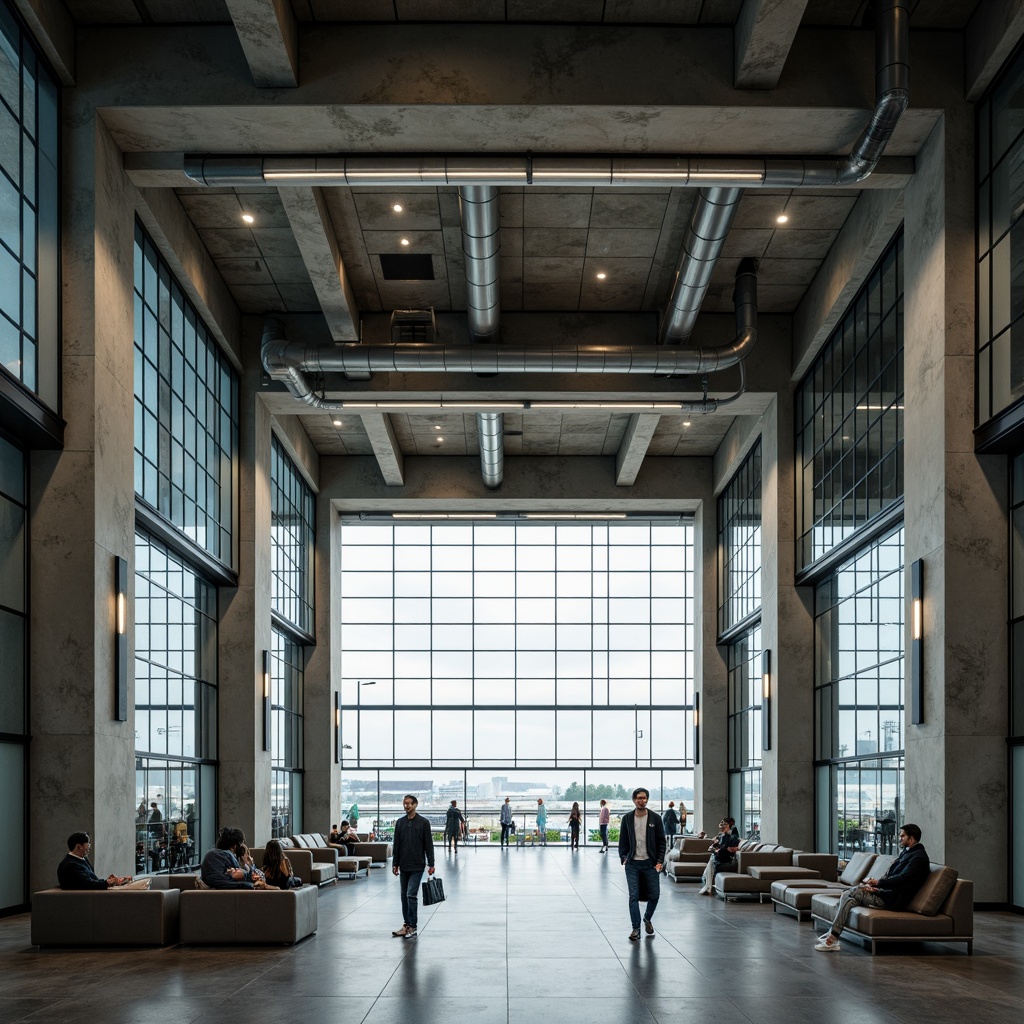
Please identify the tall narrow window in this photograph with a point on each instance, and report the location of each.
(29, 249)
(186, 410)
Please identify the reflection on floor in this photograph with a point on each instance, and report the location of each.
(525, 935)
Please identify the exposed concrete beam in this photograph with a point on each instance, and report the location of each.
(318, 243)
(764, 34)
(557, 483)
(266, 29)
(864, 236)
(992, 35)
(54, 30)
(635, 442)
(386, 449)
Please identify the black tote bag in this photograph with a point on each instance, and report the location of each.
(433, 891)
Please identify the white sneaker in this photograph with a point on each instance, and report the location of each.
(825, 946)
(704, 891)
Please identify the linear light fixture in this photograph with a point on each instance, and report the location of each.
(696, 727)
(120, 639)
(444, 515)
(917, 642)
(266, 700)
(337, 727)
(766, 700)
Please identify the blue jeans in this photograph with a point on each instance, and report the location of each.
(504, 834)
(604, 836)
(634, 869)
(410, 883)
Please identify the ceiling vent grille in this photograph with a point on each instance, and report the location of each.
(413, 325)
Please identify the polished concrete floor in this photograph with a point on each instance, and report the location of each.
(525, 935)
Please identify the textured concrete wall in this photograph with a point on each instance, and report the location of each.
(955, 521)
(82, 761)
(244, 774)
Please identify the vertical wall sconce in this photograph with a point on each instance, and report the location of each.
(120, 639)
(337, 727)
(266, 700)
(917, 642)
(766, 700)
(696, 728)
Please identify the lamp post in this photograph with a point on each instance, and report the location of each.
(359, 715)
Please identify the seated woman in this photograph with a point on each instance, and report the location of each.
(277, 868)
(252, 873)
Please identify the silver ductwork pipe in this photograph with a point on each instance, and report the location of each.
(713, 212)
(289, 362)
(478, 211)
(490, 427)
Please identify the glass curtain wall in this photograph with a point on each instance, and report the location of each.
(29, 229)
(515, 646)
(849, 411)
(186, 410)
(739, 618)
(1016, 731)
(13, 673)
(292, 538)
(175, 708)
(859, 699)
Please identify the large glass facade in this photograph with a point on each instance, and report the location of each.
(292, 528)
(186, 410)
(29, 247)
(744, 662)
(175, 707)
(516, 645)
(739, 544)
(849, 414)
(1000, 124)
(859, 699)
(286, 673)
(1016, 730)
(13, 671)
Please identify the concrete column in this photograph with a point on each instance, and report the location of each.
(244, 796)
(711, 777)
(787, 630)
(322, 780)
(956, 772)
(82, 765)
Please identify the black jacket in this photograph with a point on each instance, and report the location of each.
(414, 845)
(656, 843)
(77, 873)
(900, 883)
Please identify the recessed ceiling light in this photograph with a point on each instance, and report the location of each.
(437, 426)
(397, 207)
(440, 439)
(337, 423)
(686, 423)
(248, 218)
(405, 241)
(782, 219)
(601, 276)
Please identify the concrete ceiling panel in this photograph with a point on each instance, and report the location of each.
(258, 298)
(600, 295)
(376, 212)
(614, 210)
(622, 242)
(556, 211)
(236, 243)
(512, 241)
(510, 209)
(658, 12)
(235, 271)
(801, 245)
(554, 242)
(390, 242)
(299, 298)
(277, 243)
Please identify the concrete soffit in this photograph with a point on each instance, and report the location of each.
(268, 34)
(764, 35)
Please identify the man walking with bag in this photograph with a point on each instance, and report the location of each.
(413, 849)
(642, 852)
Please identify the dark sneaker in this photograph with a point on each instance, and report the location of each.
(634, 935)
(648, 927)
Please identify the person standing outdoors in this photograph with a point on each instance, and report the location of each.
(642, 852)
(506, 821)
(542, 822)
(603, 822)
(455, 825)
(413, 848)
(575, 820)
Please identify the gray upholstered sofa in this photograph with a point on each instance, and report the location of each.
(378, 852)
(312, 872)
(761, 864)
(247, 916)
(793, 895)
(344, 861)
(942, 911)
(686, 860)
(106, 917)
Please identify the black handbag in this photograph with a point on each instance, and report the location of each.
(433, 891)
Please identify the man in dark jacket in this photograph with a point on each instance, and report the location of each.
(455, 826)
(221, 868)
(75, 871)
(413, 847)
(642, 852)
(893, 891)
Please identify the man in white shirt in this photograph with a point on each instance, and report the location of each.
(642, 852)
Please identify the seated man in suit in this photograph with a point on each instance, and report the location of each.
(75, 871)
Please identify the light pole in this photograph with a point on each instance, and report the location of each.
(359, 702)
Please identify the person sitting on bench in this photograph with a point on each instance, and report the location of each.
(75, 871)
